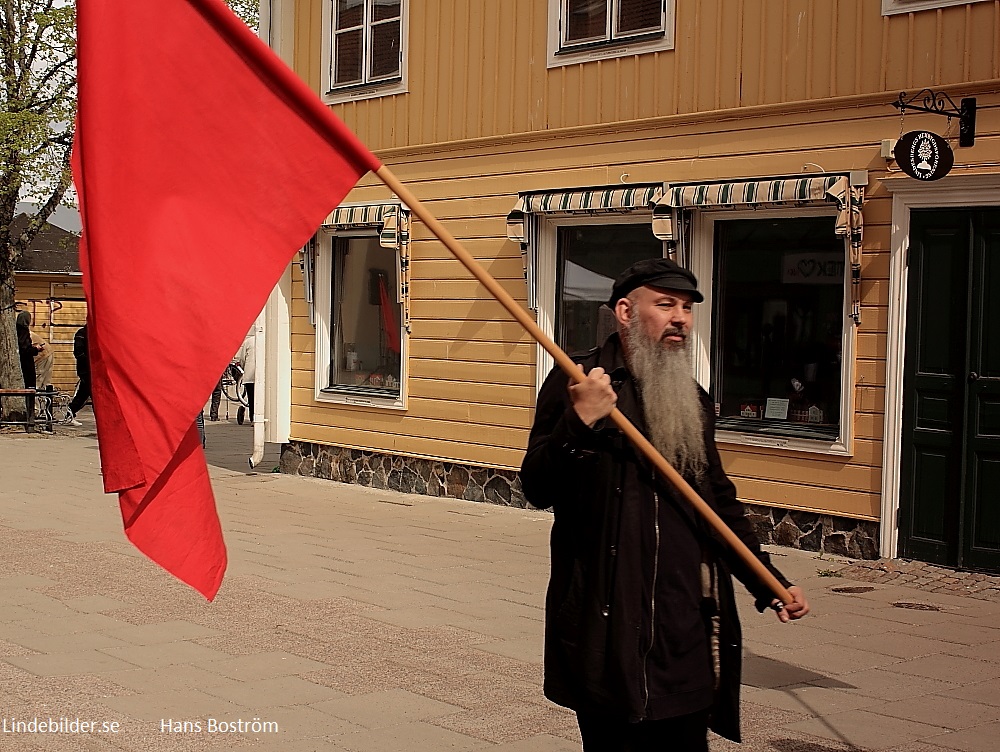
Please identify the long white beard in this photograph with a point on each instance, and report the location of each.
(670, 399)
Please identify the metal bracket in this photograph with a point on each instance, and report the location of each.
(936, 103)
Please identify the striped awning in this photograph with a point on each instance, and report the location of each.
(393, 223)
(383, 216)
(621, 198)
(796, 191)
(753, 192)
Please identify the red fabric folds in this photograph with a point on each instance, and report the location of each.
(202, 164)
(389, 326)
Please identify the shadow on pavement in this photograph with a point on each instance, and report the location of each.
(770, 673)
(798, 745)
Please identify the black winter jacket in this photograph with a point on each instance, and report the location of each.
(600, 490)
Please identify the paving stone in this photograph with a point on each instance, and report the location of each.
(962, 633)
(887, 684)
(382, 709)
(844, 660)
(526, 649)
(263, 666)
(95, 604)
(951, 668)
(938, 710)
(896, 644)
(164, 654)
(763, 672)
(985, 692)
(277, 691)
(982, 738)
(152, 634)
(157, 707)
(64, 643)
(176, 678)
(864, 730)
(535, 743)
(62, 664)
(807, 699)
(418, 737)
(305, 721)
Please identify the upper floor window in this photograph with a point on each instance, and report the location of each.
(596, 21)
(581, 30)
(365, 48)
(890, 7)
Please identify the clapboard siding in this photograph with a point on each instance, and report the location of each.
(490, 79)
(753, 88)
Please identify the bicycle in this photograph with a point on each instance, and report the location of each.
(51, 405)
(233, 389)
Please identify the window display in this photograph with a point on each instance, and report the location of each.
(365, 353)
(778, 326)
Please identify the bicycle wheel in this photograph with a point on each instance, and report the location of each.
(235, 393)
(60, 408)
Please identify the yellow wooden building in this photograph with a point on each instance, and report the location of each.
(846, 333)
(48, 285)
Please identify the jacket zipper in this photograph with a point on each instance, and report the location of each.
(652, 600)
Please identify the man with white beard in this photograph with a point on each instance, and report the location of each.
(642, 638)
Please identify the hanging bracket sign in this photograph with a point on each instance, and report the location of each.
(923, 155)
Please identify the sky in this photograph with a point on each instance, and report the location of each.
(64, 217)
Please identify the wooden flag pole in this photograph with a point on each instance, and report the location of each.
(574, 372)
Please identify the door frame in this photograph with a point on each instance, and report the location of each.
(951, 192)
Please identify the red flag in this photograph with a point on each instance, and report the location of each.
(389, 326)
(202, 164)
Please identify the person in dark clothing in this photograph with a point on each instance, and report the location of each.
(82, 355)
(26, 354)
(642, 637)
(213, 410)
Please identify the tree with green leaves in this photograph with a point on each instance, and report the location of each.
(38, 98)
(248, 10)
(37, 110)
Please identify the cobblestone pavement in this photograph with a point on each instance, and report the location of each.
(926, 577)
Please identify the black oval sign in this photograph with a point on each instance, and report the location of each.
(923, 155)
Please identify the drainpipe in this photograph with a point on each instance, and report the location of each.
(260, 335)
(260, 383)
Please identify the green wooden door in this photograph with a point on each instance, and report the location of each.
(950, 464)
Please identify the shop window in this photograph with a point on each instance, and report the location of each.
(365, 351)
(364, 49)
(589, 257)
(778, 327)
(585, 29)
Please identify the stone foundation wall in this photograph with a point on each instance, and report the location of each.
(406, 474)
(808, 531)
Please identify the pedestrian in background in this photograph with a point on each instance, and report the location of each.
(26, 351)
(82, 354)
(213, 411)
(246, 356)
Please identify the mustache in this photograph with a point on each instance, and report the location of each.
(673, 332)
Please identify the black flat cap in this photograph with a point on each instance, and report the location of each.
(656, 272)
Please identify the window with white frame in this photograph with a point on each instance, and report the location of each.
(777, 334)
(360, 332)
(587, 29)
(578, 260)
(891, 7)
(364, 48)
